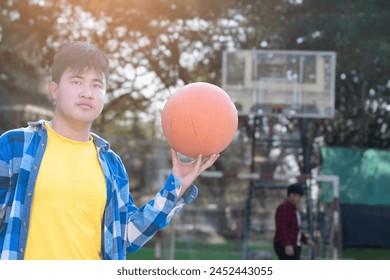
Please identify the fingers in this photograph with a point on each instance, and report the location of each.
(174, 156)
(198, 163)
(209, 162)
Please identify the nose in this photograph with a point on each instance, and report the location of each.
(86, 92)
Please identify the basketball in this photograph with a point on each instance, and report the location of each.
(199, 118)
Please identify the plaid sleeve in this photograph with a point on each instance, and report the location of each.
(5, 177)
(157, 213)
(282, 224)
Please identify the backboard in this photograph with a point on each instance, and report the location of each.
(269, 82)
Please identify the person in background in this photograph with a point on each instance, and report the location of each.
(288, 235)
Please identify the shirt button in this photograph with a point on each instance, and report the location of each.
(43, 144)
(24, 224)
(35, 167)
(21, 249)
(29, 194)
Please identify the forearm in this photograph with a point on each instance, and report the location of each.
(144, 222)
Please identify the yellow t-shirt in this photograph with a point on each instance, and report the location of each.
(68, 203)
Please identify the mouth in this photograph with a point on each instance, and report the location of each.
(84, 105)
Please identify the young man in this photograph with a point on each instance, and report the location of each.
(288, 236)
(64, 194)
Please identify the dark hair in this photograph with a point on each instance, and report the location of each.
(296, 188)
(78, 56)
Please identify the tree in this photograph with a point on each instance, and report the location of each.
(357, 31)
(23, 31)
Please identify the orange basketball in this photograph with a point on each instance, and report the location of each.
(199, 118)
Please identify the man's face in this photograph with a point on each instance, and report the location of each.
(295, 198)
(79, 96)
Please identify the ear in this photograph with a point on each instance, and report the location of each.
(53, 90)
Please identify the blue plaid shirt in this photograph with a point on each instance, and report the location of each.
(126, 228)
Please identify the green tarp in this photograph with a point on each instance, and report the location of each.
(364, 175)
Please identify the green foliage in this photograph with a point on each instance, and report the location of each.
(358, 32)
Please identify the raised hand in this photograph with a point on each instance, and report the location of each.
(187, 172)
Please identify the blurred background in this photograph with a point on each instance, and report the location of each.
(158, 46)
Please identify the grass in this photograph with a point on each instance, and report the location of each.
(367, 254)
(197, 250)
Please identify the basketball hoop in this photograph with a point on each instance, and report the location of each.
(273, 82)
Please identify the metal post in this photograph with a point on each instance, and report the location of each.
(158, 245)
(306, 150)
(246, 228)
(247, 223)
(172, 243)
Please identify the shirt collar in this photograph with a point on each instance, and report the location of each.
(99, 142)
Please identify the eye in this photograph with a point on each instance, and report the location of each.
(76, 82)
(98, 86)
